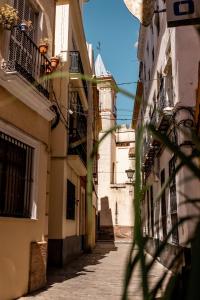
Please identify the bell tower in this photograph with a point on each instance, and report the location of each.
(107, 88)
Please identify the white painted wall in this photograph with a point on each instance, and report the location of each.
(62, 30)
(180, 46)
(119, 193)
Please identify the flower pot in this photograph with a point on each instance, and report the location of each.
(54, 62)
(43, 48)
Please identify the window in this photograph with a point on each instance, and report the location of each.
(163, 206)
(141, 71)
(26, 11)
(152, 211)
(21, 46)
(149, 75)
(148, 49)
(148, 213)
(113, 174)
(173, 200)
(16, 160)
(123, 144)
(144, 66)
(169, 87)
(153, 55)
(70, 200)
(24, 55)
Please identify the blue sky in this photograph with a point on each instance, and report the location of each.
(110, 23)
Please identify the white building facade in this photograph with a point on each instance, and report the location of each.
(116, 154)
(72, 139)
(169, 75)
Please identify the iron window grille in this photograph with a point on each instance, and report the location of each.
(163, 206)
(152, 210)
(70, 213)
(173, 200)
(148, 213)
(16, 159)
(26, 11)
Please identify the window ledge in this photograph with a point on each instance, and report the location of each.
(17, 219)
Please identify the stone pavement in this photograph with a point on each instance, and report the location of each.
(98, 275)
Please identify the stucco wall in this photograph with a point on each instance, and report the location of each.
(116, 198)
(186, 63)
(15, 112)
(16, 236)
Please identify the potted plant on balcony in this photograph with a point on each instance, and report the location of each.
(43, 46)
(55, 61)
(8, 16)
(26, 25)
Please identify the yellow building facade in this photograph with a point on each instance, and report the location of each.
(49, 122)
(25, 126)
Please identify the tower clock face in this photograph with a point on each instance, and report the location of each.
(183, 12)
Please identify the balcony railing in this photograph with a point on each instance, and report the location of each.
(77, 127)
(80, 148)
(150, 148)
(25, 58)
(76, 66)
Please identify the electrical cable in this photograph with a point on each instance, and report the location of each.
(129, 82)
(64, 120)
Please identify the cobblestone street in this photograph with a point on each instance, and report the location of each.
(98, 275)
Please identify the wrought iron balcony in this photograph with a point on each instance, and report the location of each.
(77, 145)
(76, 67)
(25, 58)
(77, 127)
(164, 111)
(150, 148)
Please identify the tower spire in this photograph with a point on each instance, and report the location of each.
(100, 69)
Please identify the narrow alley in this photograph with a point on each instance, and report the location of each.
(99, 148)
(98, 275)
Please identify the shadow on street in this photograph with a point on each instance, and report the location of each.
(77, 267)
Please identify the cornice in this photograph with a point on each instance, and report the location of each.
(25, 92)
